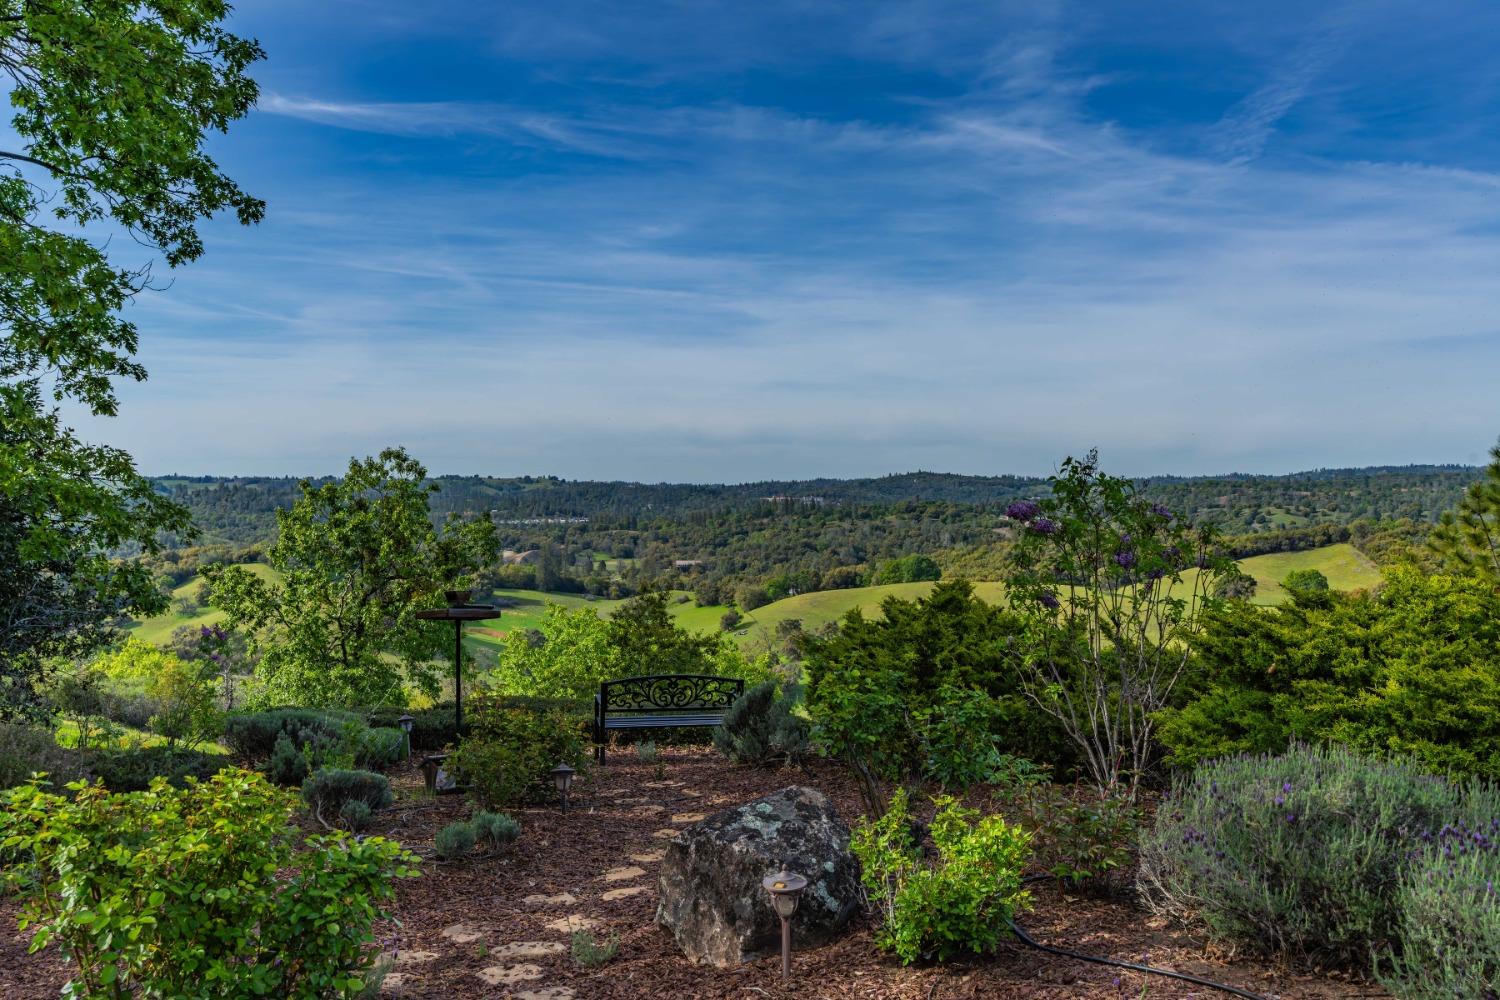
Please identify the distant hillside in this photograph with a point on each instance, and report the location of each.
(241, 510)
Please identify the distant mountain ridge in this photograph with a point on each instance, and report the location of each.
(241, 509)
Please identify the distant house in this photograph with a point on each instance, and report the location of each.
(686, 565)
(511, 557)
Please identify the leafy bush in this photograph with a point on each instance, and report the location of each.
(1412, 669)
(494, 830)
(1079, 838)
(958, 733)
(252, 736)
(203, 892)
(873, 683)
(380, 748)
(590, 952)
(960, 902)
(646, 752)
(1449, 925)
(182, 692)
(508, 757)
(26, 749)
(1299, 854)
(326, 791)
(454, 841)
(760, 728)
(132, 769)
(354, 815)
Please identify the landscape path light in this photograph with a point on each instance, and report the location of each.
(786, 889)
(405, 723)
(562, 777)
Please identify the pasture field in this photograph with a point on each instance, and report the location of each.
(1345, 567)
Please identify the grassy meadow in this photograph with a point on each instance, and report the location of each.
(1345, 567)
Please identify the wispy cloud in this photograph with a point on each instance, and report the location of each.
(914, 241)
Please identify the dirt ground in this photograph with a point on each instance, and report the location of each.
(499, 927)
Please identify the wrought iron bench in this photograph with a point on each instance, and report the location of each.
(663, 701)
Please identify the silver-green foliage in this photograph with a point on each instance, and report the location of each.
(761, 727)
(590, 952)
(1449, 927)
(454, 841)
(494, 829)
(1300, 854)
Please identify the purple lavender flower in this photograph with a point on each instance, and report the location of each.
(1278, 802)
(1125, 558)
(1023, 510)
(1286, 786)
(1049, 600)
(1045, 526)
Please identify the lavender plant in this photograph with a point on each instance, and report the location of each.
(1302, 854)
(1449, 918)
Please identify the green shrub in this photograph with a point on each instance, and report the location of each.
(26, 749)
(132, 770)
(761, 728)
(380, 748)
(591, 953)
(326, 791)
(960, 902)
(252, 736)
(1079, 836)
(1299, 854)
(1449, 919)
(454, 841)
(647, 752)
(203, 891)
(1412, 669)
(354, 815)
(507, 758)
(494, 830)
(958, 734)
(300, 752)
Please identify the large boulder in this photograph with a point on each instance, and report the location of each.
(711, 895)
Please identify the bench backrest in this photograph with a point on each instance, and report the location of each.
(665, 693)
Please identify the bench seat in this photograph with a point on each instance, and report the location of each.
(662, 701)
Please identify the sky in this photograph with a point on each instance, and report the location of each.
(727, 241)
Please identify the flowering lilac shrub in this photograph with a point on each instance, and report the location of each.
(1301, 855)
(1449, 929)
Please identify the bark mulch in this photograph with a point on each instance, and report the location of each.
(455, 922)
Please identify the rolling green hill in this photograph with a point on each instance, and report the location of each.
(159, 629)
(1345, 567)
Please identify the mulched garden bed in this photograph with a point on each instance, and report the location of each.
(622, 810)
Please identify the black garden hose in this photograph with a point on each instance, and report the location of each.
(1027, 939)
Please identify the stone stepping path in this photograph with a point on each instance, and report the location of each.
(666, 834)
(462, 933)
(622, 874)
(573, 922)
(649, 858)
(547, 993)
(626, 892)
(509, 975)
(529, 949)
(561, 899)
(415, 957)
(689, 818)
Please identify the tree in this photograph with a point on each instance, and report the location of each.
(1468, 539)
(909, 569)
(220, 651)
(571, 658)
(358, 558)
(183, 691)
(1099, 574)
(113, 101)
(1305, 582)
(647, 641)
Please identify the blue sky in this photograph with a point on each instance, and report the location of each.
(732, 241)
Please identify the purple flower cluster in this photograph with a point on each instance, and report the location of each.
(1125, 558)
(1049, 600)
(1045, 526)
(1023, 510)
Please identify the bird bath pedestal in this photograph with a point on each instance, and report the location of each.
(458, 614)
